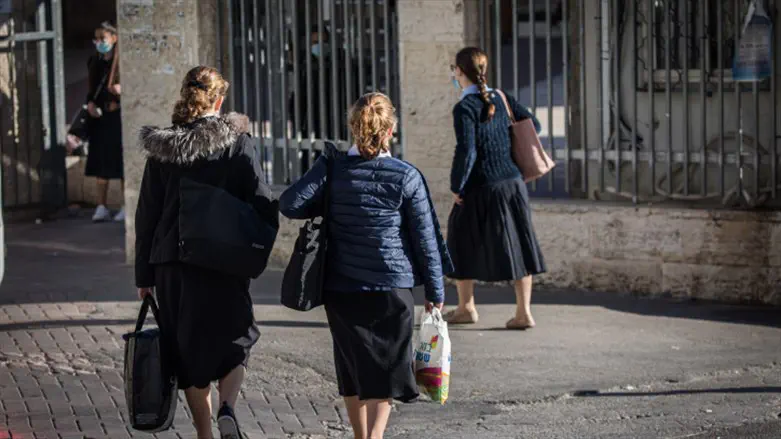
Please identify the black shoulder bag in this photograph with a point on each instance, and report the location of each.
(302, 283)
(150, 379)
(220, 232)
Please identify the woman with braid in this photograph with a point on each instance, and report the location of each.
(490, 233)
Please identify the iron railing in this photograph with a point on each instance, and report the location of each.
(32, 111)
(297, 65)
(637, 99)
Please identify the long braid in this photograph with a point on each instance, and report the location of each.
(473, 63)
(484, 96)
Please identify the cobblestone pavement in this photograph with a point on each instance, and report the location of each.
(60, 376)
(61, 350)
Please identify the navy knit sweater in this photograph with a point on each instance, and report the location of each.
(483, 153)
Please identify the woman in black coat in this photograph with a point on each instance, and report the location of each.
(206, 314)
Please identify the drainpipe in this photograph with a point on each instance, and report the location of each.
(606, 57)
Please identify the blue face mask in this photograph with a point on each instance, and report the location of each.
(317, 49)
(456, 84)
(103, 47)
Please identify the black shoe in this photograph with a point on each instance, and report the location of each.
(227, 423)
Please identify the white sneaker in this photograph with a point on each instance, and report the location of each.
(120, 216)
(101, 214)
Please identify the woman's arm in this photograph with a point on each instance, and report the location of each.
(465, 126)
(150, 208)
(522, 113)
(304, 198)
(258, 193)
(419, 219)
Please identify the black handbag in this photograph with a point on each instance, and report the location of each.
(150, 380)
(302, 283)
(220, 232)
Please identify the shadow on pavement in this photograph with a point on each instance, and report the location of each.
(738, 390)
(29, 326)
(291, 324)
(73, 260)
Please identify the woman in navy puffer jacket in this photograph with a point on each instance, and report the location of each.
(383, 240)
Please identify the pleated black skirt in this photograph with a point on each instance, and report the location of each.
(491, 237)
(372, 336)
(207, 317)
(105, 147)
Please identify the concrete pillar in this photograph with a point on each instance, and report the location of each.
(159, 41)
(430, 35)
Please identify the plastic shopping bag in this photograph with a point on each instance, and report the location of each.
(754, 57)
(432, 357)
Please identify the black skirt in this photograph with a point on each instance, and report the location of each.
(372, 335)
(208, 318)
(105, 147)
(491, 237)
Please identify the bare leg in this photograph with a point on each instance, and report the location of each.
(523, 297)
(466, 295)
(230, 385)
(466, 311)
(200, 403)
(378, 412)
(356, 411)
(102, 192)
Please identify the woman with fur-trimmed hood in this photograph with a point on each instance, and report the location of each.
(206, 315)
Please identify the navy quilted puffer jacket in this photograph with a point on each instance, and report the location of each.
(383, 230)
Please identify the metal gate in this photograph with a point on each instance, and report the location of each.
(295, 67)
(637, 97)
(32, 103)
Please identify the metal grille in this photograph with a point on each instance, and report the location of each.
(637, 99)
(297, 65)
(31, 105)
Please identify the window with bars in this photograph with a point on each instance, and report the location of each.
(691, 38)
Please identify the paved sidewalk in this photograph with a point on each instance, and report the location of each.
(598, 365)
(66, 301)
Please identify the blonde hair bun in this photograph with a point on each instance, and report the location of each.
(370, 119)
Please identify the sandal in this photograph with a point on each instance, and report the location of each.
(455, 317)
(518, 325)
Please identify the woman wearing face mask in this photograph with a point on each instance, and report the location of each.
(490, 232)
(104, 161)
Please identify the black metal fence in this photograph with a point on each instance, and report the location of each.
(31, 105)
(637, 98)
(297, 65)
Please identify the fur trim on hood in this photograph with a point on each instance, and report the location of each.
(185, 144)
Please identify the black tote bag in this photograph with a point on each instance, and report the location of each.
(302, 283)
(150, 380)
(220, 232)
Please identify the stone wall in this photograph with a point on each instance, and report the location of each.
(702, 254)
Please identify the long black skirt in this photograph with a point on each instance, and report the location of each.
(491, 237)
(372, 335)
(105, 147)
(207, 317)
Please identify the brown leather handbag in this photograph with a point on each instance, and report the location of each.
(526, 148)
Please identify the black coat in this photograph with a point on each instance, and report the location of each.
(213, 150)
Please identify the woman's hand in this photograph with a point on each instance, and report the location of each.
(143, 292)
(457, 199)
(430, 306)
(92, 109)
(116, 89)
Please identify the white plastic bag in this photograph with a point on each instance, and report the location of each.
(432, 357)
(754, 56)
